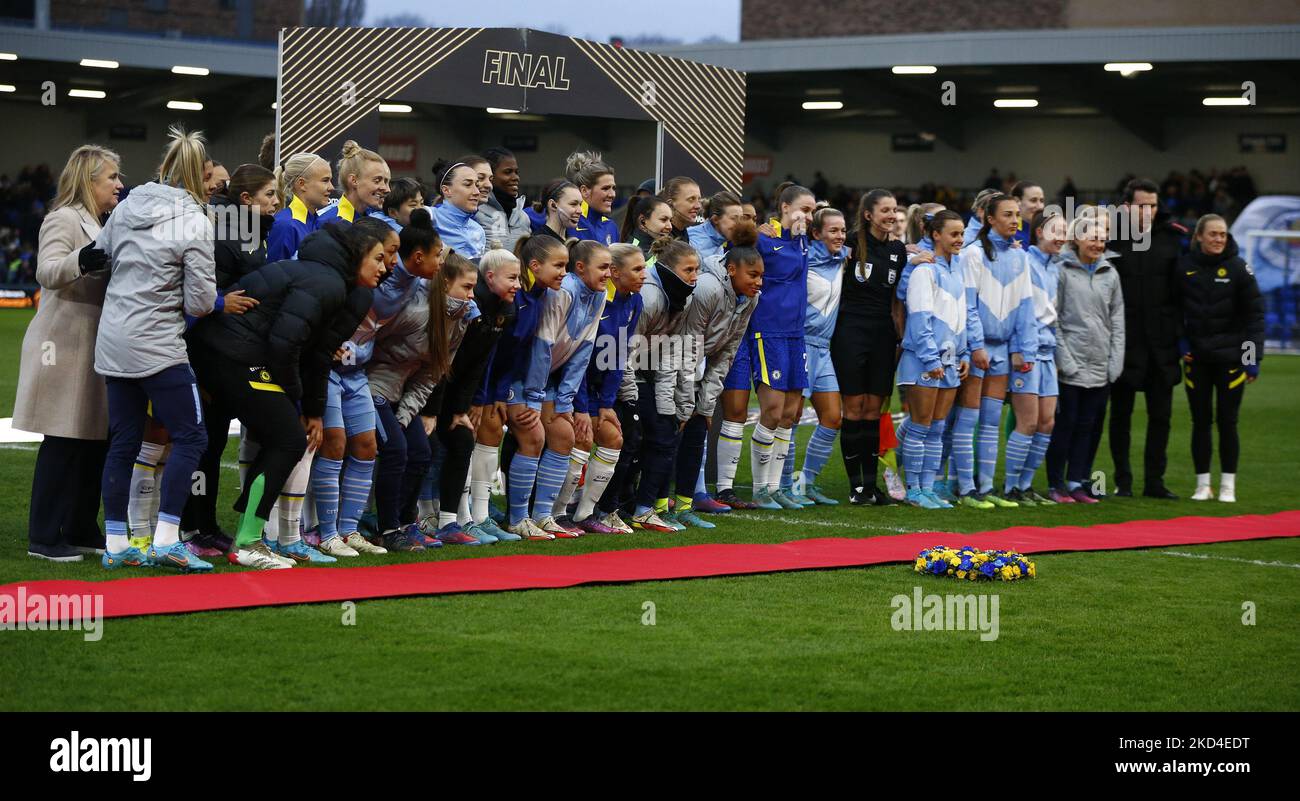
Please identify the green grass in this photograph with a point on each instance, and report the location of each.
(1140, 630)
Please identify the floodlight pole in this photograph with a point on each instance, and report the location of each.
(279, 101)
(659, 156)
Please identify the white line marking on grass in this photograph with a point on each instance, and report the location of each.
(796, 522)
(15, 447)
(1230, 559)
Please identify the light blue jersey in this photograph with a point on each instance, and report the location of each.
(564, 340)
(1004, 291)
(936, 329)
(825, 283)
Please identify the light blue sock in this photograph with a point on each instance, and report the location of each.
(903, 445)
(787, 467)
(990, 422)
(551, 472)
(325, 490)
(946, 468)
(914, 454)
(933, 452)
(1017, 452)
(357, 478)
(818, 452)
(963, 448)
(523, 474)
(700, 488)
(1037, 453)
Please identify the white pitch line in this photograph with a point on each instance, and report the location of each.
(796, 522)
(1230, 559)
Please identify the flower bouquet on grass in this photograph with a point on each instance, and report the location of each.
(974, 565)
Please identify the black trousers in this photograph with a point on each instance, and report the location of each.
(1160, 408)
(241, 391)
(1079, 413)
(621, 492)
(1208, 385)
(66, 492)
(659, 440)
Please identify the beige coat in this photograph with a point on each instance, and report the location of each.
(59, 393)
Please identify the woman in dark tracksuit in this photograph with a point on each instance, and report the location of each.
(269, 367)
(1223, 316)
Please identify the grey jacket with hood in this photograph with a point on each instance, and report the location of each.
(500, 228)
(160, 241)
(655, 346)
(400, 368)
(1090, 322)
(716, 320)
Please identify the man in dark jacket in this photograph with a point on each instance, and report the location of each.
(1147, 262)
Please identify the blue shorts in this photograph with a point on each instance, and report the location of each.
(738, 375)
(779, 362)
(912, 373)
(1040, 381)
(999, 360)
(348, 404)
(516, 393)
(821, 371)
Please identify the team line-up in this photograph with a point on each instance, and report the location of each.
(376, 349)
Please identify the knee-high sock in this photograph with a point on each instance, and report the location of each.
(1037, 453)
(871, 451)
(482, 469)
(577, 463)
(913, 447)
(990, 420)
(325, 488)
(787, 462)
(289, 505)
(730, 441)
(250, 525)
(904, 450)
(760, 455)
(781, 442)
(818, 453)
(946, 468)
(551, 473)
(463, 514)
(599, 471)
(700, 488)
(309, 520)
(154, 499)
(357, 477)
(963, 448)
(933, 453)
(428, 500)
(851, 447)
(143, 490)
(248, 449)
(523, 475)
(1018, 446)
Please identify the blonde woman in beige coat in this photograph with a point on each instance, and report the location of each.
(59, 394)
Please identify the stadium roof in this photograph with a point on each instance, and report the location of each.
(1073, 46)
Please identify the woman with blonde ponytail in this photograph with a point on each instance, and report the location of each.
(160, 244)
(305, 183)
(363, 177)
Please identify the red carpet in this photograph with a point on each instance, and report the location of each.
(155, 594)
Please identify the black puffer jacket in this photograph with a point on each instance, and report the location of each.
(307, 308)
(1152, 311)
(236, 252)
(1222, 307)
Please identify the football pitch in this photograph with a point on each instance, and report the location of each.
(1159, 629)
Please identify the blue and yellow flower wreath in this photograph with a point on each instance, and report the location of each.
(974, 565)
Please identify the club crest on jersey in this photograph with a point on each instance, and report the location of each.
(863, 273)
(893, 276)
(1020, 383)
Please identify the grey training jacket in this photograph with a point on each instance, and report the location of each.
(400, 369)
(1090, 323)
(505, 232)
(160, 241)
(656, 356)
(716, 320)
